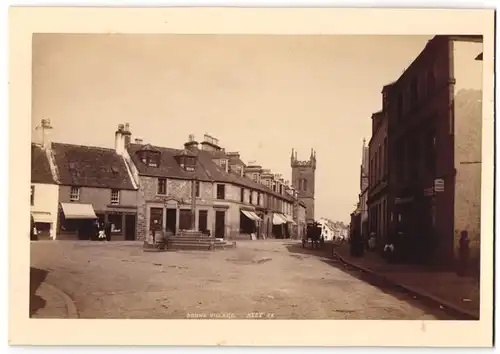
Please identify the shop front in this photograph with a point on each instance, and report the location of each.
(279, 225)
(249, 222)
(77, 221)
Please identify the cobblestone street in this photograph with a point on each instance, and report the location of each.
(269, 279)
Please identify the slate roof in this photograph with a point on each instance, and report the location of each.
(168, 166)
(40, 167)
(206, 169)
(90, 166)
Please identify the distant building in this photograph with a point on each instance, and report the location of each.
(303, 180)
(363, 186)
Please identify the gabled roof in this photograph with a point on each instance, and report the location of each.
(40, 166)
(206, 169)
(219, 175)
(168, 166)
(90, 166)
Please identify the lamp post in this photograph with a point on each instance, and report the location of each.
(193, 203)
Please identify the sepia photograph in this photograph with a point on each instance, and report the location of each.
(247, 176)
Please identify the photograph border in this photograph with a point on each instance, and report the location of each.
(24, 21)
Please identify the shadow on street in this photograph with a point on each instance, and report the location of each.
(326, 255)
(37, 276)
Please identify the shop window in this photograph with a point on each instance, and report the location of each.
(156, 219)
(116, 222)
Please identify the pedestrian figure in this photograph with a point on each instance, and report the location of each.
(33, 230)
(95, 230)
(101, 236)
(371, 241)
(107, 231)
(389, 252)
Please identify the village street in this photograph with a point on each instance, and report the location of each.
(268, 279)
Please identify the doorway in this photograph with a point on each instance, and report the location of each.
(185, 219)
(202, 220)
(129, 227)
(171, 220)
(220, 223)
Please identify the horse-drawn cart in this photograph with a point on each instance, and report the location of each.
(313, 234)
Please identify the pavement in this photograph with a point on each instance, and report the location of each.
(444, 288)
(257, 279)
(47, 301)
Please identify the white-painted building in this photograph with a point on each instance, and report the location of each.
(44, 198)
(327, 233)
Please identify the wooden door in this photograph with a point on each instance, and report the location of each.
(129, 227)
(220, 223)
(202, 220)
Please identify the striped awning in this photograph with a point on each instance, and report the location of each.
(251, 215)
(289, 219)
(279, 219)
(42, 217)
(78, 211)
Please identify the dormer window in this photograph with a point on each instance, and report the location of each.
(187, 160)
(153, 162)
(149, 156)
(223, 164)
(188, 163)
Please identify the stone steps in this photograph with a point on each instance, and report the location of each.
(198, 246)
(193, 240)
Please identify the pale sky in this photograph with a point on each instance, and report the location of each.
(259, 95)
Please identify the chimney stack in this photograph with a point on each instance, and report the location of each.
(44, 133)
(123, 137)
(127, 135)
(191, 144)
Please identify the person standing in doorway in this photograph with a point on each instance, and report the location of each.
(107, 231)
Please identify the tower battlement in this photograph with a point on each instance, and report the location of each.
(295, 162)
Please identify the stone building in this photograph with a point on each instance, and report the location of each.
(303, 180)
(200, 186)
(93, 184)
(435, 113)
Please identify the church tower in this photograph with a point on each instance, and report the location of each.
(303, 180)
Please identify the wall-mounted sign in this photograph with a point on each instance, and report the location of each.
(439, 185)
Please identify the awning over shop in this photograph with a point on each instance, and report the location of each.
(279, 219)
(41, 217)
(289, 219)
(251, 215)
(78, 211)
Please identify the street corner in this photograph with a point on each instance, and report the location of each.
(50, 302)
